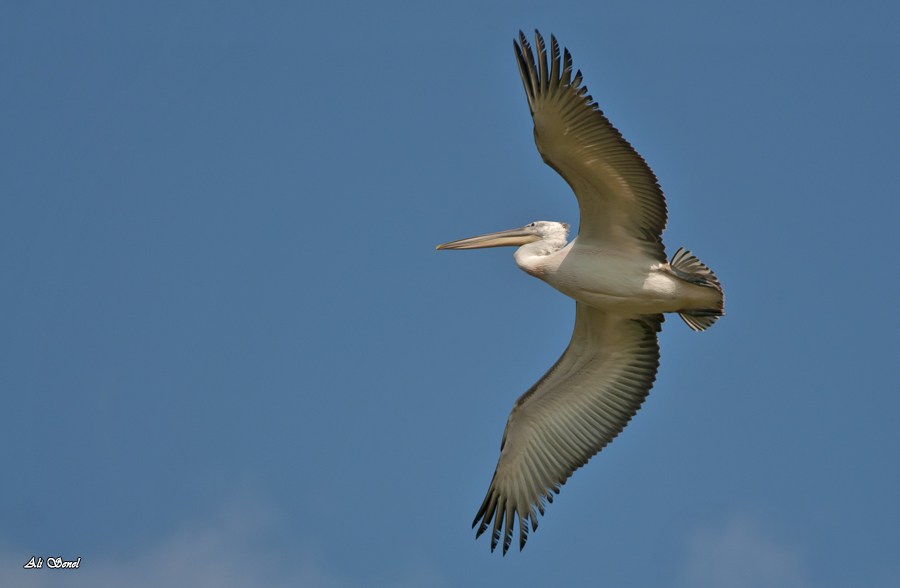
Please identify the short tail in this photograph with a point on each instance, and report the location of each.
(690, 269)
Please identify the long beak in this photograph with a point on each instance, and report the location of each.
(514, 237)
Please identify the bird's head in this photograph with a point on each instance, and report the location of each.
(552, 233)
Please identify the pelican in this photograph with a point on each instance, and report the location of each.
(616, 270)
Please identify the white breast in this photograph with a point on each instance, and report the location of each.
(606, 278)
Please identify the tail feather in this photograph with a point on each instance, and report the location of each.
(690, 269)
(700, 320)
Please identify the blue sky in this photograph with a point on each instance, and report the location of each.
(230, 355)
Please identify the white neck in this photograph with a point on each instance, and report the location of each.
(528, 256)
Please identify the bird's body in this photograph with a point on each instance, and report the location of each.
(615, 281)
(617, 272)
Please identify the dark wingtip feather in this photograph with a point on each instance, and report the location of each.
(554, 61)
(523, 71)
(498, 520)
(507, 532)
(523, 533)
(523, 41)
(566, 77)
(541, 47)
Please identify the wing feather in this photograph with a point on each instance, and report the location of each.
(619, 197)
(569, 415)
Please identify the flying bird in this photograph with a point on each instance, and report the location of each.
(617, 271)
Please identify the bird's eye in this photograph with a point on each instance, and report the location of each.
(532, 224)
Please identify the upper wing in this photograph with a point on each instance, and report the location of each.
(570, 414)
(620, 200)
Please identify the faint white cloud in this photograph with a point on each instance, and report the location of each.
(421, 576)
(228, 552)
(740, 554)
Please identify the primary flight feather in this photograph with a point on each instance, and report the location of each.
(617, 272)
